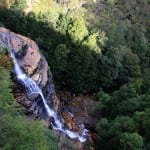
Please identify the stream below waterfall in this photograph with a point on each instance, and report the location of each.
(33, 88)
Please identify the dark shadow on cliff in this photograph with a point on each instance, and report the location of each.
(83, 70)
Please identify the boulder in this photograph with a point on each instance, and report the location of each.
(29, 57)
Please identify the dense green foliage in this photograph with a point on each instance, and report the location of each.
(106, 56)
(16, 132)
(125, 119)
(19, 5)
(102, 47)
(124, 113)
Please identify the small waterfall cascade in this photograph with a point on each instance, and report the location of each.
(33, 88)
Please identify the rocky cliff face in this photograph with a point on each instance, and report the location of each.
(74, 111)
(34, 65)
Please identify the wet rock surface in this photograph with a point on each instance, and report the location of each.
(78, 113)
(80, 109)
(35, 66)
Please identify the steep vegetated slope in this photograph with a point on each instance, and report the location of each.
(97, 47)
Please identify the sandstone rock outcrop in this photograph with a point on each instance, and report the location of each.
(33, 64)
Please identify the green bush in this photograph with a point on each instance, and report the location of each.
(131, 141)
(19, 5)
(17, 133)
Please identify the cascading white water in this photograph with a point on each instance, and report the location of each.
(33, 88)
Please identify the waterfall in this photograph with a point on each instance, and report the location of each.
(33, 88)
